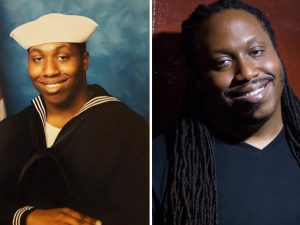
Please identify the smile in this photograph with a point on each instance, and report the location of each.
(256, 92)
(53, 86)
(252, 93)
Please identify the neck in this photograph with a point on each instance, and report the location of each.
(265, 133)
(258, 134)
(59, 114)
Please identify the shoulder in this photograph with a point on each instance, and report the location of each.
(116, 113)
(114, 109)
(159, 158)
(160, 166)
(18, 119)
(111, 121)
(122, 120)
(159, 153)
(14, 130)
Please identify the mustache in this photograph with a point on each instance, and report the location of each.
(249, 86)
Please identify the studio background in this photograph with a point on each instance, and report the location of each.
(169, 70)
(119, 49)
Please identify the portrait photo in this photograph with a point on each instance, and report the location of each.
(74, 111)
(225, 128)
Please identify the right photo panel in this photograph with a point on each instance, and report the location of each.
(225, 112)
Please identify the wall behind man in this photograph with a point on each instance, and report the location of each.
(169, 70)
(119, 49)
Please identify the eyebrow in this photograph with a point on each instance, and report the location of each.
(251, 41)
(33, 49)
(254, 40)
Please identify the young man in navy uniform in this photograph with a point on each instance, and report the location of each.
(77, 155)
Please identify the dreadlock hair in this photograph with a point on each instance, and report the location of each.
(191, 197)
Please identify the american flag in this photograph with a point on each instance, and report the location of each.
(2, 106)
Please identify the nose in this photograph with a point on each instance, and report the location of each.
(246, 70)
(51, 68)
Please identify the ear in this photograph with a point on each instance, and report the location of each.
(85, 61)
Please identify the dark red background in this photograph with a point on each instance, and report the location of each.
(169, 70)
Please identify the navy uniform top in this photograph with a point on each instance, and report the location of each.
(98, 164)
(254, 187)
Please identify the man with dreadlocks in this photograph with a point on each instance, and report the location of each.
(233, 159)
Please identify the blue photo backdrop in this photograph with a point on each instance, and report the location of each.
(119, 49)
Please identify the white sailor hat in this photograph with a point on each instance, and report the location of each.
(54, 27)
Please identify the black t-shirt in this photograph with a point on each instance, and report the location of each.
(254, 187)
(257, 187)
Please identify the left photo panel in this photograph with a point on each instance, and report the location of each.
(74, 112)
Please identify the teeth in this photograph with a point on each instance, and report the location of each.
(52, 85)
(253, 93)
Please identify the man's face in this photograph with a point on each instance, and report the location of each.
(240, 71)
(57, 71)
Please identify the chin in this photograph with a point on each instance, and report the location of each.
(55, 100)
(257, 113)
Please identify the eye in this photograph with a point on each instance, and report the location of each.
(62, 58)
(222, 63)
(256, 52)
(37, 59)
